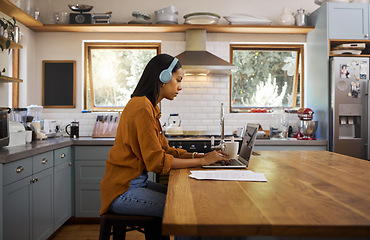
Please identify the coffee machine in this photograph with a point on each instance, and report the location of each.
(307, 127)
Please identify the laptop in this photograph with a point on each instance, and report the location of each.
(242, 160)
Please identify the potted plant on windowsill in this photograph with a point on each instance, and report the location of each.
(6, 34)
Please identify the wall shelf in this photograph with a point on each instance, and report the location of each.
(335, 42)
(13, 45)
(4, 79)
(12, 10)
(167, 28)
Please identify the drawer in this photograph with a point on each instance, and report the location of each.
(62, 155)
(92, 152)
(42, 161)
(17, 170)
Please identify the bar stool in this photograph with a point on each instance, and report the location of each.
(150, 226)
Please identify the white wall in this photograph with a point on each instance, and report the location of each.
(198, 103)
(4, 63)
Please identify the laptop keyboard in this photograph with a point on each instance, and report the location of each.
(232, 162)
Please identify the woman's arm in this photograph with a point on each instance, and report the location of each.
(186, 160)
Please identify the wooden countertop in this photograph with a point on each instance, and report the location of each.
(308, 193)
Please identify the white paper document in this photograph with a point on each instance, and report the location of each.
(229, 175)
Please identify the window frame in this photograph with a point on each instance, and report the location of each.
(299, 48)
(88, 81)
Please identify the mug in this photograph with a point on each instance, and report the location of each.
(231, 148)
(75, 129)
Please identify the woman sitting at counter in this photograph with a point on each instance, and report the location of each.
(140, 145)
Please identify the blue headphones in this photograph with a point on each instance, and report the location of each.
(166, 74)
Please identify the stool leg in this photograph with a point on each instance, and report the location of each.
(105, 230)
(119, 232)
(153, 232)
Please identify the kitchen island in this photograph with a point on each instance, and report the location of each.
(307, 194)
(65, 173)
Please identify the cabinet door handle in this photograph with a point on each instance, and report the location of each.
(70, 164)
(19, 169)
(44, 160)
(366, 35)
(62, 155)
(33, 180)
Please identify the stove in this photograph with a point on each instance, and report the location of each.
(198, 141)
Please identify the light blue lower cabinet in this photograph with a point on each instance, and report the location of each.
(17, 210)
(88, 175)
(87, 200)
(62, 194)
(42, 205)
(89, 171)
(28, 207)
(63, 186)
(37, 197)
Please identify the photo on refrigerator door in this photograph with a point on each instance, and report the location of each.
(355, 90)
(344, 71)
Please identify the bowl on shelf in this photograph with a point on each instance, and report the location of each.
(201, 18)
(245, 19)
(140, 18)
(168, 15)
(80, 7)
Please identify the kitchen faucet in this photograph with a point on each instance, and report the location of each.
(221, 146)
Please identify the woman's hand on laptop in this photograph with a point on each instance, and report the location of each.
(215, 156)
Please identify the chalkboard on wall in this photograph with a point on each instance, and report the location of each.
(59, 84)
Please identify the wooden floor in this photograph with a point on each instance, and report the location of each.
(88, 232)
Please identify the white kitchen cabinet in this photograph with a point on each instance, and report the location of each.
(348, 21)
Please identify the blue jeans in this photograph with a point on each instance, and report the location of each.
(142, 198)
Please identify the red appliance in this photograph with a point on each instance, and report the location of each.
(307, 128)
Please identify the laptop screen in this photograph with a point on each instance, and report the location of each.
(249, 138)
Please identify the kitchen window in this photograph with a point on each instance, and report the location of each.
(268, 76)
(112, 71)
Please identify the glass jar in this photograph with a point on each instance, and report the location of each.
(279, 124)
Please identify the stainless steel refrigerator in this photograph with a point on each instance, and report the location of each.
(349, 106)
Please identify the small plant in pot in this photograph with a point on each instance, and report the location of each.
(7, 34)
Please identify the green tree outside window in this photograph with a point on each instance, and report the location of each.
(265, 78)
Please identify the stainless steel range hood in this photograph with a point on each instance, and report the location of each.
(197, 61)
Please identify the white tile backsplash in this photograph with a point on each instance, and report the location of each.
(198, 104)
